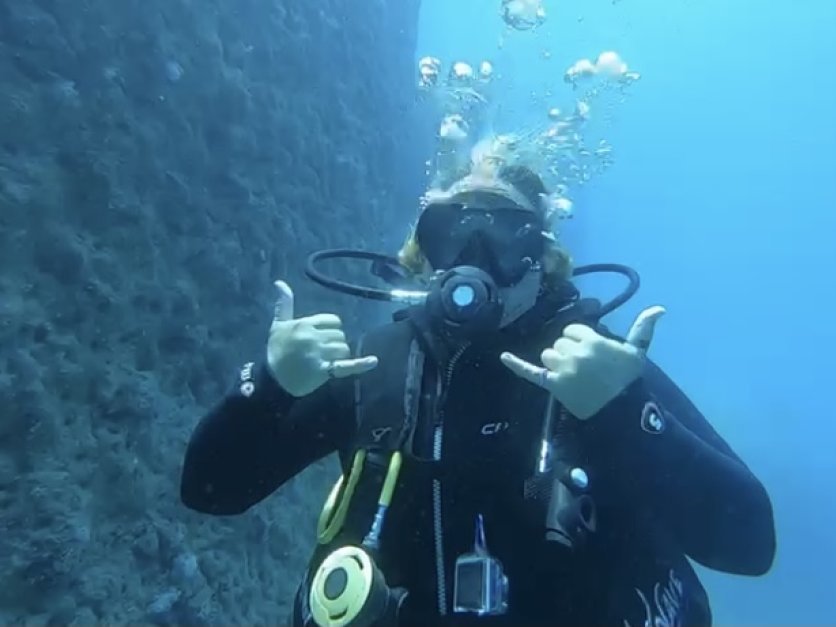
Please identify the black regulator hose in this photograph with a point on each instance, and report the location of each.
(632, 287)
(342, 286)
(381, 262)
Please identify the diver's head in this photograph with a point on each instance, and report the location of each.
(494, 220)
(498, 222)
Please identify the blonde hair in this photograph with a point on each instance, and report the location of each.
(556, 260)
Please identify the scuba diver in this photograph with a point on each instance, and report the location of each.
(506, 459)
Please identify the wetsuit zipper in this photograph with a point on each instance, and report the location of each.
(437, 514)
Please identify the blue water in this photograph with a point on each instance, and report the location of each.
(723, 196)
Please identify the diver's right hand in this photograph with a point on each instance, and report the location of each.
(302, 354)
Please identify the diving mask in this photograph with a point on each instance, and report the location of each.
(505, 242)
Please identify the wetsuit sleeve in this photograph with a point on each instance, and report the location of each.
(678, 466)
(257, 438)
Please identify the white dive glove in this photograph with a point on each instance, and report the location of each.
(302, 354)
(584, 370)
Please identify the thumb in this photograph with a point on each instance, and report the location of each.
(641, 333)
(283, 310)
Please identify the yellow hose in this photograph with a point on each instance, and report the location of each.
(391, 479)
(330, 521)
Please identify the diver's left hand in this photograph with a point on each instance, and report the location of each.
(585, 370)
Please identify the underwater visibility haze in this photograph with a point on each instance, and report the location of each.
(163, 163)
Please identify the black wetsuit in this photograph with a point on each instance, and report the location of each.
(663, 489)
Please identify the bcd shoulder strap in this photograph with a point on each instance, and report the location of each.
(386, 405)
(386, 399)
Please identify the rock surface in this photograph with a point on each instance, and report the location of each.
(161, 162)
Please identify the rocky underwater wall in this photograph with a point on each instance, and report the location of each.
(161, 162)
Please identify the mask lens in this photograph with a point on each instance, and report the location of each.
(513, 237)
(436, 234)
